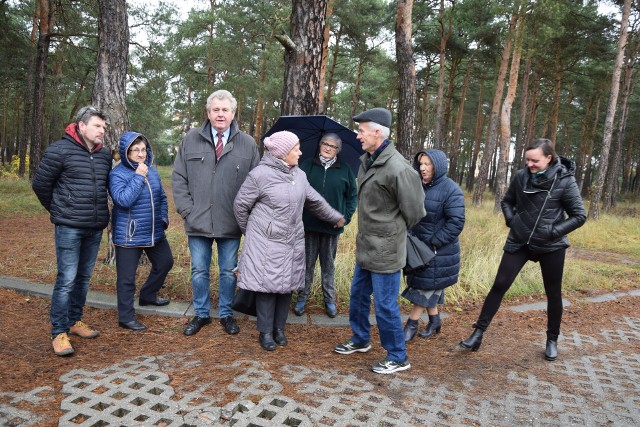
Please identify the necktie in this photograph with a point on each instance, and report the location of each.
(219, 147)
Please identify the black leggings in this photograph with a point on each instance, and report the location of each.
(551, 265)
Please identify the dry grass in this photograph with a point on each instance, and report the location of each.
(606, 254)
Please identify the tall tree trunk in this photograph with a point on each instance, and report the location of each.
(594, 208)
(533, 111)
(259, 119)
(444, 37)
(303, 58)
(405, 140)
(325, 56)
(490, 145)
(27, 111)
(627, 164)
(356, 88)
(555, 111)
(45, 26)
(521, 142)
(425, 108)
(471, 178)
(454, 151)
(109, 88)
(584, 144)
(332, 72)
(612, 188)
(505, 119)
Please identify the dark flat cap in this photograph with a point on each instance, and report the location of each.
(382, 116)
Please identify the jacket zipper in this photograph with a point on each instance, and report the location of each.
(533, 230)
(153, 211)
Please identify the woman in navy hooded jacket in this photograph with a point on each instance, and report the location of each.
(440, 228)
(140, 216)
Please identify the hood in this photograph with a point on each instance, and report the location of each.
(126, 140)
(72, 131)
(439, 160)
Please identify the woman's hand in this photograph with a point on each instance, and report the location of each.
(142, 169)
(340, 223)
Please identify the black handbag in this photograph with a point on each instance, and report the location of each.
(244, 301)
(419, 255)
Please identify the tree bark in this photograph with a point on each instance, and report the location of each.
(444, 37)
(490, 145)
(612, 187)
(455, 143)
(505, 119)
(45, 25)
(405, 140)
(109, 89)
(594, 208)
(521, 141)
(332, 72)
(303, 64)
(471, 178)
(325, 56)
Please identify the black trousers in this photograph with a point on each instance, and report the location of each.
(126, 266)
(272, 311)
(551, 266)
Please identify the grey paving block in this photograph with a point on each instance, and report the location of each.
(535, 306)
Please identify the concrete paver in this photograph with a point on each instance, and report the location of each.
(602, 388)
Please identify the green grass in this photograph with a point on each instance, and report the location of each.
(606, 255)
(17, 198)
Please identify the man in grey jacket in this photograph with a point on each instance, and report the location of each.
(210, 166)
(390, 200)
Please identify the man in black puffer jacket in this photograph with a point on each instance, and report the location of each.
(71, 183)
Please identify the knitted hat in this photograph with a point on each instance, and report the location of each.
(280, 143)
(382, 116)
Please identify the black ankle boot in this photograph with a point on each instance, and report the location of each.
(279, 337)
(410, 330)
(551, 352)
(473, 342)
(433, 327)
(267, 342)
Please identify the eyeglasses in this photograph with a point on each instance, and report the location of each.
(138, 151)
(333, 147)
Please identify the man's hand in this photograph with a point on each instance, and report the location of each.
(340, 223)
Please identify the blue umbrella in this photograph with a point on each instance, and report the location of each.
(309, 129)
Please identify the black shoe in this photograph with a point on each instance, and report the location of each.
(230, 325)
(298, 310)
(551, 352)
(134, 325)
(433, 327)
(332, 311)
(473, 342)
(159, 301)
(267, 342)
(410, 329)
(279, 337)
(196, 324)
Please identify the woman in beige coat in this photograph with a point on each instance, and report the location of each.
(268, 208)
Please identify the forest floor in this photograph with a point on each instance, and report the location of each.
(599, 362)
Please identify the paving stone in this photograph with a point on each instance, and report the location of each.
(535, 306)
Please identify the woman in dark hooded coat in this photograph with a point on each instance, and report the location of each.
(440, 228)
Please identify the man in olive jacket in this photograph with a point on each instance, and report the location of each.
(210, 166)
(390, 200)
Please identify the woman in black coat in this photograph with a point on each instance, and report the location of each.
(440, 229)
(541, 206)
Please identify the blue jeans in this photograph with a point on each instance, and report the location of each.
(201, 250)
(385, 289)
(76, 252)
